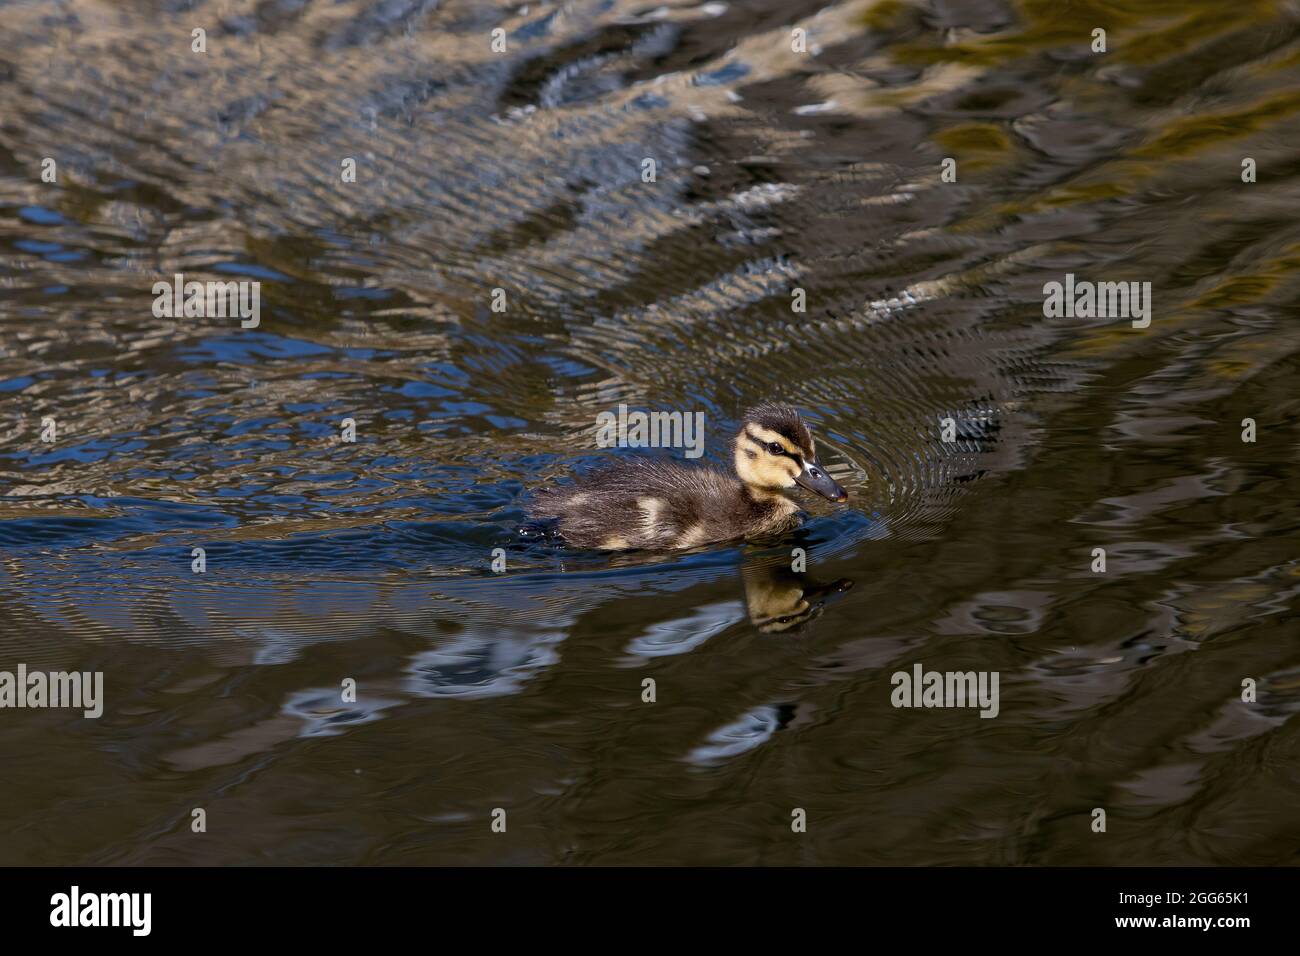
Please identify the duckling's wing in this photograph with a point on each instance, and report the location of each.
(635, 503)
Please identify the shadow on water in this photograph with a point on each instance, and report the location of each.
(798, 242)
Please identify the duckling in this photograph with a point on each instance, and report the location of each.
(664, 505)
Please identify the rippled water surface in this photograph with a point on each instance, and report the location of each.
(775, 171)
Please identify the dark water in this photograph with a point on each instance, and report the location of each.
(775, 171)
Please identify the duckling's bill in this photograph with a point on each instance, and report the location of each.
(814, 478)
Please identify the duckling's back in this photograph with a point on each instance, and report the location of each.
(648, 503)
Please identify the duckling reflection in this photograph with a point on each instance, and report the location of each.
(780, 600)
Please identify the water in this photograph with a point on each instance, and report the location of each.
(774, 171)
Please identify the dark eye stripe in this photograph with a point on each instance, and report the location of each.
(766, 446)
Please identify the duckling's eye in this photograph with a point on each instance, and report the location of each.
(775, 448)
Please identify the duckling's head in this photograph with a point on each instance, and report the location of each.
(774, 450)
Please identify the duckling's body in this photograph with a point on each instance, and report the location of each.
(661, 504)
